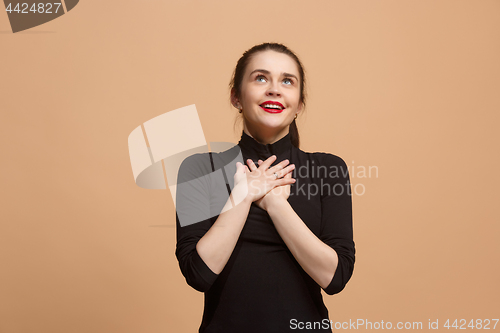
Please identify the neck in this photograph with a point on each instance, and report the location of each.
(266, 137)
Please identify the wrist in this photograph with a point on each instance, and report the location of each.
(273, 201)
(240, 194)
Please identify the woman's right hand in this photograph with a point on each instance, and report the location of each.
(255, 184)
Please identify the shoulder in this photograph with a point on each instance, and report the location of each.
(329, 159)
(321, 165)
(196, 160)
(201, 164)
(323, 158)
(194, 166)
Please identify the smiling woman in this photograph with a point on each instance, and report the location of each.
(262, 263)
(268, 75)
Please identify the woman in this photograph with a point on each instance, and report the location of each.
(263, 262)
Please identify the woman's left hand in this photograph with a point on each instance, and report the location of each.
(277, 194)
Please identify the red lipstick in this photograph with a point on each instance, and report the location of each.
(272, 107)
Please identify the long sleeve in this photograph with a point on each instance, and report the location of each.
(193, 219)
(262, 286)
(336, 219)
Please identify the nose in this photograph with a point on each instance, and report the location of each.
(273, 90)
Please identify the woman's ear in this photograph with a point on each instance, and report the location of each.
(234, 100)
(300, 108)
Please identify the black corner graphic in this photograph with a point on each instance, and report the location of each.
(70, 4)
(27, 14)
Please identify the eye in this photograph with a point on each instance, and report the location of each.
(288, 81)
(259, 77)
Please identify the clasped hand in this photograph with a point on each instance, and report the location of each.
(260, 185)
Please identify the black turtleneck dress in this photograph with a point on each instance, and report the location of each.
(262, 288)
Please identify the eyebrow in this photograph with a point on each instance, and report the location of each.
(265, 71)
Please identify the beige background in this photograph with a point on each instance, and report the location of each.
(411, 87)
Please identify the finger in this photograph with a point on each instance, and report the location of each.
(260, 162)
(281, 173)
(251, 165)
(268, 162)
(286, 180)
(281, 168)
(289, 169)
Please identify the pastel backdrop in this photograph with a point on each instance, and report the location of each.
(410, 87)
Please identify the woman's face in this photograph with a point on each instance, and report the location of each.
(270, 94)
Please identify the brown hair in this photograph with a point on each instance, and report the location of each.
(239, 71)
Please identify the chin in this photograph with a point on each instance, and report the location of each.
(278, 125)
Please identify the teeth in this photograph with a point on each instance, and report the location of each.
(272, 106)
